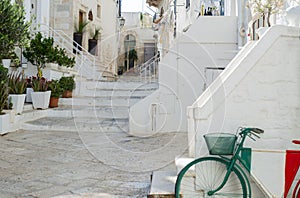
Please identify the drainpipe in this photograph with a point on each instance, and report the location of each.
(120, 10)
(175, 18)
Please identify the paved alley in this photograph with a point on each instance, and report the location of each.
(77, 164)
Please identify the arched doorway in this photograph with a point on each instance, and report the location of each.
(130, 51)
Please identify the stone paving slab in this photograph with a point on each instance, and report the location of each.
(43, 163)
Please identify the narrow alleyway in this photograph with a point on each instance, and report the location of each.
(57, 163)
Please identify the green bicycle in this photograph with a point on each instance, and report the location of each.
(218, 176)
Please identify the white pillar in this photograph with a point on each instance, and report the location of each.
(43, 11)
(27, 7)
(233, 9)
(230, 8)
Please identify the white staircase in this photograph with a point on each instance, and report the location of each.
(148, 71)
(101, 107)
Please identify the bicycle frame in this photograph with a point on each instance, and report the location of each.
(232, 163)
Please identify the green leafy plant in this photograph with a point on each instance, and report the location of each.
(17, 83)
(39, 84)
(14, 30)
(67, 83)
(3, 74)
(3, 88)
(3, 96)
(80, 28)
(55, 88)
(42, 50)
(133, 54)
(95, 34)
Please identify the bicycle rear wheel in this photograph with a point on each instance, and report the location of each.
(205, 174)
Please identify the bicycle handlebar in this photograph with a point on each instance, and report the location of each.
(257, 130)
(249, 130)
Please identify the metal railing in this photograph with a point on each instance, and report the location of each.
(257, 22)
(85, 62)
(148, 71)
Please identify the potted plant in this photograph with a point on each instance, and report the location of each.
(17, 86)
(67, 84)
(14, 31)
(93, 42)
(42, 50)
(77, 36)
(56, 91)
(4, 118)
(40, 95)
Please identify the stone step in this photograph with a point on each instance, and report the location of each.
(121, 93)
(180, 163)
(162, 184)
(77, 124)
(100, 101)
(116, 85)
(90, 112)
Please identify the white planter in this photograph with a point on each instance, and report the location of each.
(6, 62)
(12, 115)
(40, 100)
(28, 95)
(4, 123)
(18, 102)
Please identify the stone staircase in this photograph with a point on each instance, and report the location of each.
(97, 106)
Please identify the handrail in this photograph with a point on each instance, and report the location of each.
(82, 57)
(148, 70)
(257, 21)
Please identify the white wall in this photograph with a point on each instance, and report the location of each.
(109, 35)
(181, 75)
(259, 88)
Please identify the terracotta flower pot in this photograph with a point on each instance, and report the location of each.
(67, 94)
(53, 102)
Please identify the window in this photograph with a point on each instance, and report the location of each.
(187, 4)
(81, 17)
(91, 17)
(99, 11)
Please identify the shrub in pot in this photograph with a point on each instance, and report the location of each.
(14, 31)
(67, 84)
(93, 42)
(17, 86)
(40, 95)
(42, 50)
(56, 91)
(77, 36)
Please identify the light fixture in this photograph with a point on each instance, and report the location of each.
(121, 22)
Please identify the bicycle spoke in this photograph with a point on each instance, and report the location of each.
(207, 175)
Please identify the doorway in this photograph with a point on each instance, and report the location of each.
(130, 52)
(149, 51)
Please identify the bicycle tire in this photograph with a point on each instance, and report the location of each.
(296, 192)
(210, 172)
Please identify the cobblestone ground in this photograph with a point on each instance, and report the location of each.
(85, 164)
